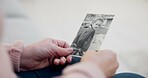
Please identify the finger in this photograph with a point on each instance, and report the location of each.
(56, 61)
(62, 60)
(62, 44)
(69, 59)
(63, 51)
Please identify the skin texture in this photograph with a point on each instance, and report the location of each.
(44, 53)
(105, 59)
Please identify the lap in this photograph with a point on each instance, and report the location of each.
(128, 75)
(48, 72)
(53, 71)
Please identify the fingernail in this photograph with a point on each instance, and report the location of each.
(63, 59)
(57, 61)
(69, 59)
(70, 49)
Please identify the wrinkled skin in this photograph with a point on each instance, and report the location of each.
(105, 59)
(44, 53)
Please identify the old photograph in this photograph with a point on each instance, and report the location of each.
(91, 33)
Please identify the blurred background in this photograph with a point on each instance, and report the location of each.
(33, 20)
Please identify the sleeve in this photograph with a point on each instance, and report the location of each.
(5, 65)
(82, 70)
(15, 50)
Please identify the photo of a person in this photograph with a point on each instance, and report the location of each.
(90, 34)
(83, 39)
(100, 32)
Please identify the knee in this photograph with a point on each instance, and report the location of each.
(128, 75)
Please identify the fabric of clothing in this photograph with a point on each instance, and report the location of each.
(14, 50)
(50, 72)
(128, 75)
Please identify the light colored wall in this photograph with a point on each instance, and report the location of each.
(60, 18)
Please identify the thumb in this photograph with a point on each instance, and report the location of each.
(64, 51)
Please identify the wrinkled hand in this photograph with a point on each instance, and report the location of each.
(106, 60)
(44, 53)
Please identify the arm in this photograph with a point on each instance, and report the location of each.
(15, 50)
(41, 54)
(5, 65)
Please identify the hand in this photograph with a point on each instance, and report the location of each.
(105, 59)
(44, 53)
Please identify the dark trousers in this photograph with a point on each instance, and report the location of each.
(53, 71)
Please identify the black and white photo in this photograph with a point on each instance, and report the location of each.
(91, 33)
